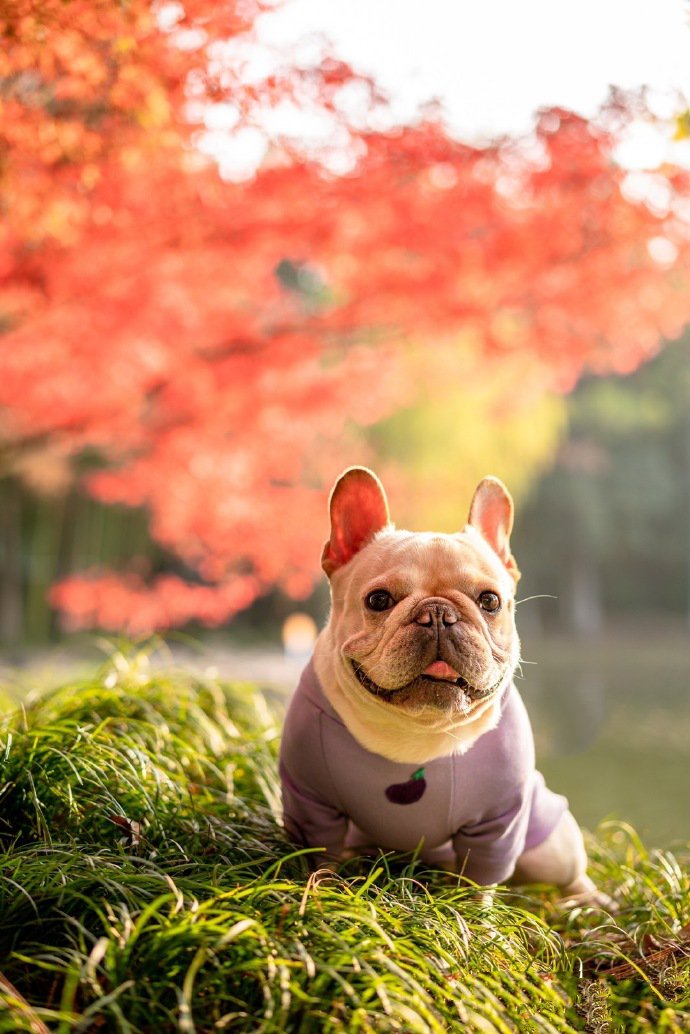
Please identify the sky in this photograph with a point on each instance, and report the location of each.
(491, 64)
(494, 62)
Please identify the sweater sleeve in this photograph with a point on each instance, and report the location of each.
(488, 850)
(514, 809)
(311, 812)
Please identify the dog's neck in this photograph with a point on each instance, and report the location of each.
(395, 735)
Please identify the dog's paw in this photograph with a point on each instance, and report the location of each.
(584, 893)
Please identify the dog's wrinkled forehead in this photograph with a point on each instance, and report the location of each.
(429, 563)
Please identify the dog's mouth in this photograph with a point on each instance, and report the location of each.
(439, 680)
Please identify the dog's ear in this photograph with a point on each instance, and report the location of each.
(358, 510)
(491, 513)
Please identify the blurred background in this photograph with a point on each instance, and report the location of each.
(243, 248)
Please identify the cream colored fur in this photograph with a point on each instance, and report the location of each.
(431, 566)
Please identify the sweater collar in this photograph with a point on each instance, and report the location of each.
(310, 686)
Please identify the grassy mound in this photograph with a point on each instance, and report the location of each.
(145, 884)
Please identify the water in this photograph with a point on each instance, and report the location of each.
(612, 725)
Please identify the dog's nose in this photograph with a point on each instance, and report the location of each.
(436, 613)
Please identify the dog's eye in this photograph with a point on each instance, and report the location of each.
(490, 602)
(379, 599)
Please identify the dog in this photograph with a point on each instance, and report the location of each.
(406, 732)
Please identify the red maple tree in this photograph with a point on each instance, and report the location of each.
(209, 344)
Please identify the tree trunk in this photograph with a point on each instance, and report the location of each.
(11, 563)
(585, 608)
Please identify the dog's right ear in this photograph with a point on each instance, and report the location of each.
(358, 509)
(491, 513)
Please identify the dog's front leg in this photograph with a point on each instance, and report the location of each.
(561, 859)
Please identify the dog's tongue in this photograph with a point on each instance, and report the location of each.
(441, 670)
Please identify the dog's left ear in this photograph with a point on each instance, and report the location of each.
(491, 513)
(358, 509)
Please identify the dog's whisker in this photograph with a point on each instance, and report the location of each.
(538, 596)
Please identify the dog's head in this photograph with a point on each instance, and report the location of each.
(421, 642)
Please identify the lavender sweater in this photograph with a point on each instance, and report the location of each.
(481, 809)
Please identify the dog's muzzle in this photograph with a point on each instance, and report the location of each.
(460, 684)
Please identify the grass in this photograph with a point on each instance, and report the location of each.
(146, 885)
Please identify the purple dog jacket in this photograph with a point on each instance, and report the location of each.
(482, 808)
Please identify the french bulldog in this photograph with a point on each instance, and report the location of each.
(406, 732)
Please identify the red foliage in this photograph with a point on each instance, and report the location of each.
(212, 342)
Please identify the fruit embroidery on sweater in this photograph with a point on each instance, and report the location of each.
(409, 792)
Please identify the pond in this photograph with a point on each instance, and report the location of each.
(611, 718)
